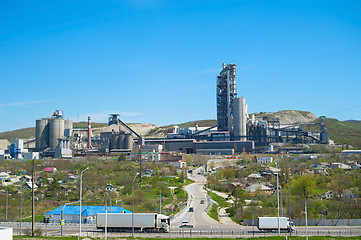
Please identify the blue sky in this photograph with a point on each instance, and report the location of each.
(156, 61)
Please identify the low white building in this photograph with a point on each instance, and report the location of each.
(264, 159)
(340, 165)
(348, 152)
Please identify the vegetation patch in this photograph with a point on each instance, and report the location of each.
(213, 212)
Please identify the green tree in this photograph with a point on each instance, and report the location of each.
(121, 157)
(239, 196)
(303, 186)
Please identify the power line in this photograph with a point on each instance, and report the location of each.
(344, 110)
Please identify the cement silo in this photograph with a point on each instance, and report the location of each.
(56, 131)
(68, 128)
(128, 141)
(42, 134)
(120, 142)
(239, 119)
(114, 141)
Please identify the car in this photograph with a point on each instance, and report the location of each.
(202, 202)
(191, 209)
(186, 224)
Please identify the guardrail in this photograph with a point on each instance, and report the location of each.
(229, 234)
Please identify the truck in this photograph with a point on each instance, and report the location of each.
(142, 222)
(270, 224)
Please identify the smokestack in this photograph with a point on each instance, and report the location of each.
(89, 133)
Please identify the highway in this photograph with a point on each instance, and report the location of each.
(197, 199)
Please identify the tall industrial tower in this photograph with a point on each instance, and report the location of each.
(226, 92)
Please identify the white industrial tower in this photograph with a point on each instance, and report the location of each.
(240, 111)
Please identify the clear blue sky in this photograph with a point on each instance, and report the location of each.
(156, 61)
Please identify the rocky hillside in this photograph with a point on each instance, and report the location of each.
(288, 116)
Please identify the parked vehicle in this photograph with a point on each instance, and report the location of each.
(270, 224)
(144, 222)
(191, 209)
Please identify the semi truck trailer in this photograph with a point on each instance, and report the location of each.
(270, 224)
(143, 222)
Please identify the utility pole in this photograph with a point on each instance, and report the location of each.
(33, 201)
(281, 202)
(306, 215)
(21, 210)
(278, 207)
(7, 200)
(160, 200)
(80, 193)
(140, 162)
(133, 204)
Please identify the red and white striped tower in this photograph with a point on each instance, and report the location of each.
(89, 133)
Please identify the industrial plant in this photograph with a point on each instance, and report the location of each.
(236, 132)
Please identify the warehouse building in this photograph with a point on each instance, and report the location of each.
(88, 215)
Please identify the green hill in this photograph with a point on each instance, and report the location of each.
(23, 133)
(346, 132)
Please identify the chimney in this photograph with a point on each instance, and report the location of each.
(89, 133)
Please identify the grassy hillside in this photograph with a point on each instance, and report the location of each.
(346, 132)
(85, 125)
(23, 133)
(201, 123)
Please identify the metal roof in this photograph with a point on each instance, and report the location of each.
(86, 210)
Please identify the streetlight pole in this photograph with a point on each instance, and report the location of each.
(33, 200)
(106, 217)
(116, 201)
(62, 216)
(133, 203)
(80, 193)
(281, 203)
(21, 209)
(278, 207)
(7, 200)
(160, 200)
(306, 217)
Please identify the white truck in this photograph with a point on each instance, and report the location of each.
(144, 222)
(270, 224)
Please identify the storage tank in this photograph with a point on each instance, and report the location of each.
(120, 143)
(42, 134)
(68, 124)
(128, 141)
(56, 131)
(239, 119)
(114, 141)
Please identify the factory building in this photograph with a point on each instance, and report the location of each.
(234, 132)
(117, 136)
(50, 130)
(226, 92)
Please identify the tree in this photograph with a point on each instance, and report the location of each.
(121, 157)
(239, 197)
(339, 184)
(303, 186)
